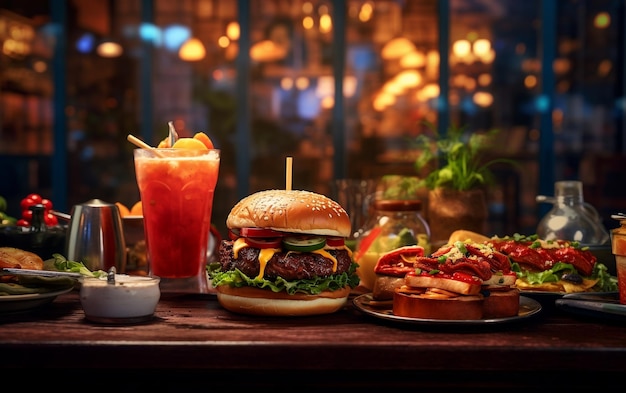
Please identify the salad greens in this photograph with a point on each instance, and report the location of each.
(606, 282)
(314, 286)
(61, 263)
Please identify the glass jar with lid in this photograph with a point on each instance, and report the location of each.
(394, 224)
(571, 218)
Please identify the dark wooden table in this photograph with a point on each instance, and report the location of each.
(192, 341)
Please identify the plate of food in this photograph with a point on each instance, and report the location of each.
(549, 269)
(25, 284)
(26, 302)
(497, 270)
(384, 310)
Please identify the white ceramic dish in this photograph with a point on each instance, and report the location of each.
(126, 300)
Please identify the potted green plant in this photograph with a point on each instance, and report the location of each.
(457, 176)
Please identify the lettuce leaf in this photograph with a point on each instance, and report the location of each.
(60, 263)
(606, 282)
(314, 286)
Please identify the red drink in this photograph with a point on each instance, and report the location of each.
(177, 197)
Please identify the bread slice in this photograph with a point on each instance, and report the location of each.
(500, 302)
(460, 287)
(462, 307)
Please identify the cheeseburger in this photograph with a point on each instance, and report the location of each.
(285, 255)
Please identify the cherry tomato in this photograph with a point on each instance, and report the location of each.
(50, 219)
(35, 197)
(22, 223)
(26, 203)
(260, 232)
(269, 242)
(47, 204)
(27, 215)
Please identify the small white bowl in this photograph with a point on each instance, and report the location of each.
(127, 300)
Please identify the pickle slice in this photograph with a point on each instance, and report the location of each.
(304, 243)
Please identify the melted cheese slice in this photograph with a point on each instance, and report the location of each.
(267, 253)
(264, 256)
(326, 254)
(238, 245)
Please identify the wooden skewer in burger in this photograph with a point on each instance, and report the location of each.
(286, 255)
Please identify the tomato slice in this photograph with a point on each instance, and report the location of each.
(335, 241)
(233, 233)
(304, 243)
(268, 242)
(260, 232)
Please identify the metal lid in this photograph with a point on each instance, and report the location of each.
(397, 205)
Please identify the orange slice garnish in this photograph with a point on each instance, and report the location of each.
(124, 211)
(204, 138)
(165, 143)
(137, 209)
(190, 143)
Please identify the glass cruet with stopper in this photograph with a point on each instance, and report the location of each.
(393, 224)
(571, 218)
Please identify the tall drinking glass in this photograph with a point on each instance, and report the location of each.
(176, 188)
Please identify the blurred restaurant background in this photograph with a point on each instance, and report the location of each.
(342, 86)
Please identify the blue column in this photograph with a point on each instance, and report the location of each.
(545, 103)
(59, 155)
(339, 50)
(242, 65)
(443, 107)
(145, 76)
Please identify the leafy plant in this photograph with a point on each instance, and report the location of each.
(400, 187)
(459, 164)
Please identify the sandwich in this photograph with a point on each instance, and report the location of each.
(11, 257)
(462, 281)
(285, 255)
(554, 265)
(390, 269)
(31, 283)
(548, 265)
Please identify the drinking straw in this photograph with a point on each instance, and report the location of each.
(289, 165)
(139, 143)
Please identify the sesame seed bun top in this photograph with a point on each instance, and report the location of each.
(291, 211)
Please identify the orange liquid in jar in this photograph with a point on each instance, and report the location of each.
(619, 250)
(620, 262)
(177, 198)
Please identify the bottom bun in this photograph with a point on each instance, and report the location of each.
(255, 301)
(459, 308)
(501, 304)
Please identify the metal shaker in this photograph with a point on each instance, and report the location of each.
(95, 236)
